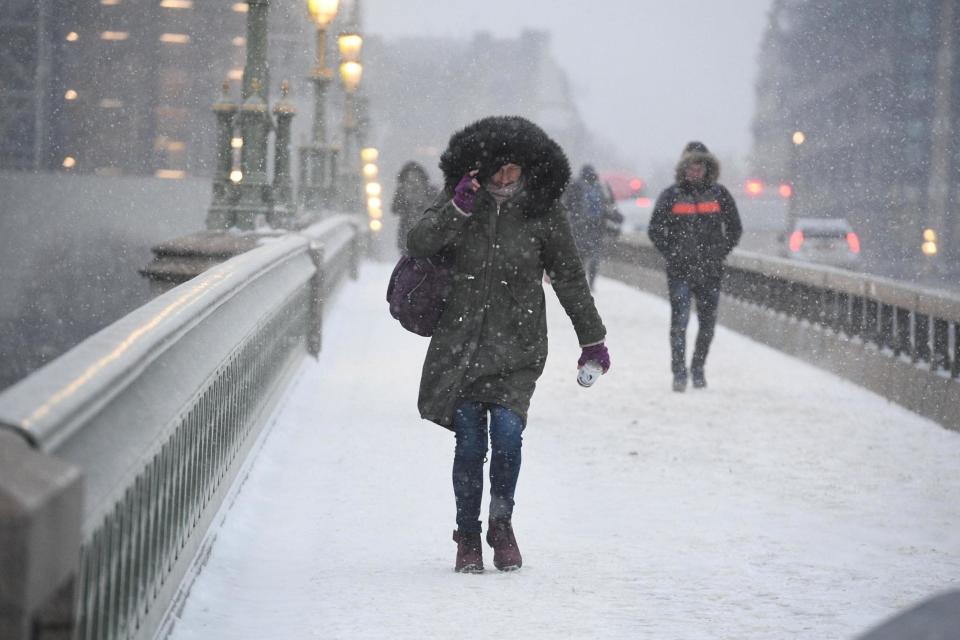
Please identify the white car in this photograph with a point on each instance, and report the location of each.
(636, 214)
(829, 241)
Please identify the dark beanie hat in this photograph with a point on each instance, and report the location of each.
(696, 146)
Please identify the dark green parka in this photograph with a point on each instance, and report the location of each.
(491, 342)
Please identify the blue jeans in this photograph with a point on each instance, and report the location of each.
(506, 438)
(707, 295)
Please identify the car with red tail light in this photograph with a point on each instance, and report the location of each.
(830, 241)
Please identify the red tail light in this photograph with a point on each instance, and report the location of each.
(754, 187)
(643, 202)
(786, 190)
(796, 241)
(853, 242)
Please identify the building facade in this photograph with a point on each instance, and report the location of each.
(419, 97)
(873, 87)
(124, 87)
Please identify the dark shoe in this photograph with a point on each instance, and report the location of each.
(469, 552)
(506, 554)
(680, 382)
(699, 380)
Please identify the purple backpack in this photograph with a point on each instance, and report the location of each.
(418, 292)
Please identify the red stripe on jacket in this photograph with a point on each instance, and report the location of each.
(694, 208)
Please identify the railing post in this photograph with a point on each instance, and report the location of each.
(857, 316)
(356, 252)
(41, 502)
(871, 328)
(941, 345)
(317, 294)
(903, 344)
(955, 365)
(921, 337)
(887, 340)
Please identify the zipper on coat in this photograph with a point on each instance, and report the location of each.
(487, 283)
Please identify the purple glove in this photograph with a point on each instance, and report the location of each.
(465, 193)
(597, 353)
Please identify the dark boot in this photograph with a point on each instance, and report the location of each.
(469, 552)
(506, 554)
(680, 382)
(699, 379)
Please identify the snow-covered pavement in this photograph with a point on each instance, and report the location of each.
(781, 502)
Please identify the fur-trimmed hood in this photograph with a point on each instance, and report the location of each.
(490, 143)
(705, 158)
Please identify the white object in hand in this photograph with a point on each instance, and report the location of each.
(588, 373)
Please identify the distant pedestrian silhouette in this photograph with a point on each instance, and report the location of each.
(411, 197)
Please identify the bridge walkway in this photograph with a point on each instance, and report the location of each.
(780, 502)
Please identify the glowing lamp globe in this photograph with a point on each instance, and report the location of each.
(322, 12)
(350, 45)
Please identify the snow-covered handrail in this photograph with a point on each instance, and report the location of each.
(157, 412)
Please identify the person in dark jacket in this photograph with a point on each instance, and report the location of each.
(593, 217)
(412, 196)
(695, 225)
(501, 220)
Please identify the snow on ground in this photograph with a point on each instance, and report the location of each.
(781, 502)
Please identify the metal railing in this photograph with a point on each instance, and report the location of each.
(898, 340)
(157, 412)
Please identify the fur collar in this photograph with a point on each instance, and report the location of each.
(490, 143)
(707, 159)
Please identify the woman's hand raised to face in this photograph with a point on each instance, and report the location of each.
(465, 193)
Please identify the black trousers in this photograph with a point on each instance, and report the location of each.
(682, 293)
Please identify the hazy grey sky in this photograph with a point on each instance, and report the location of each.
(648, 75)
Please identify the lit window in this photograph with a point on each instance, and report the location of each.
(175, 38)
(236, 143)
(69, 162)
(176, 145)
(235, 74)
(240, 7)
(176, 4)
(170, 174)
(111, 103)
(115, 36)
(239, 41)
(70, 95)
(73, 36)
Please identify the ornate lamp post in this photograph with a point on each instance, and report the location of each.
(316, 160)
(220, 214)
(255, 192)
(284, 207)
(351, 71)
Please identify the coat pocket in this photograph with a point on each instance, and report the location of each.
(527, 318)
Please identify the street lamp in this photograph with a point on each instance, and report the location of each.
(314, 158)
(350, 44)
(350, 74)
(322, 11)
(797, 138)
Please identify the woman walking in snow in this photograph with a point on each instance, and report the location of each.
(413, 195)
(501, 220)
